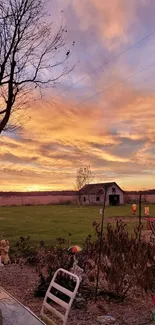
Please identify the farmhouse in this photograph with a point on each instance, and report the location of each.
(94, 194)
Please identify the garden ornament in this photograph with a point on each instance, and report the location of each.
(75, 268)
(75, 249)
(147, 211)
(4, 250)
(134, 208)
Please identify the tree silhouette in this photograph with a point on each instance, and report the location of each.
(29, 46)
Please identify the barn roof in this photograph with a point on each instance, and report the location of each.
(94, 188)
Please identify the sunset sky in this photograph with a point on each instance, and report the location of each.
(102, 114)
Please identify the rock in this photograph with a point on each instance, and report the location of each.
(106, 320)
(80, 303)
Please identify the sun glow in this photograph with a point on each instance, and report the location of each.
(34, 188)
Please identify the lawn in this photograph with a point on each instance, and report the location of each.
(49, 222)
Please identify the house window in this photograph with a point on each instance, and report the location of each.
(113, 190)
(97, 198)
(84, 199)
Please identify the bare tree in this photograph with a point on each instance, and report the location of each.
(84, 176)
(29, 45)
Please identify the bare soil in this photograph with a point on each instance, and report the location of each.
(20, 281)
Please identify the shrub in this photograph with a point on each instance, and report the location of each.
(126, 262)
(24, 251)
(51, 259)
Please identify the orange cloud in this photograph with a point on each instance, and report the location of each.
(50, 149)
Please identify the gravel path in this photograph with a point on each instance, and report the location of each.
(21, 282)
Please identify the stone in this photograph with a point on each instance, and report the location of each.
(80, 303)
(106, 320)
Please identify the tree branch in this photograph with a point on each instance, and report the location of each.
(3, 111)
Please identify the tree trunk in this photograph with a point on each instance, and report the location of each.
(5, 120)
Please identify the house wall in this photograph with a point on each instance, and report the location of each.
(36, 200)
(118, 192)
(91, 198)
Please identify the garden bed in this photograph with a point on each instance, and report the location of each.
(21, 282)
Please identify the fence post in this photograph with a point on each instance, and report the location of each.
(100, 247)
(140, 215)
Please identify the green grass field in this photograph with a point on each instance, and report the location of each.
(49, 222)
